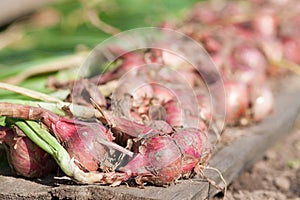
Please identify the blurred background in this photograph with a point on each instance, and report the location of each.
(36, 32)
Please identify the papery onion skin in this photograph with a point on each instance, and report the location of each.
(81, 142)
(192, 143)
(25, 157)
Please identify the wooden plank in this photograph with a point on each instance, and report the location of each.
(231, 160)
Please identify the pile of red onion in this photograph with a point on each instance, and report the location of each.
(153, 124)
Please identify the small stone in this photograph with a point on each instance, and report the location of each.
(269, 178)
(282, 183)
(270, 155)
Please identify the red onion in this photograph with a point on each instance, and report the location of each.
(82, 140)
(237, 101)
(159, 161)
(204, 106)
(265, 23)
(25, 157)
(247, 75)
(175, 115)
(262, 101)
(249, 65)
(251, 57)
(192, 143)
(179, 116)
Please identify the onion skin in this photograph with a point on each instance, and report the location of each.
(25, 157)
(83, 91)
(161, 126)
(192, 143)
(127, 126)
(162, 93)
(80, 140)
(133, 128)
(136, 87)
(159, 161)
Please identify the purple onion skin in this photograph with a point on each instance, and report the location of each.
(80, 140)
(192, 143)
(159, 161)
(25, 157)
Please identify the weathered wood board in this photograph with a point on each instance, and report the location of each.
(231, 160)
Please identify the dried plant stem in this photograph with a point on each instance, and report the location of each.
(98, 23)
(200, 171)
(222, 178)
(288, 65)
(30, 93)
(11, 35)
(116, 147)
